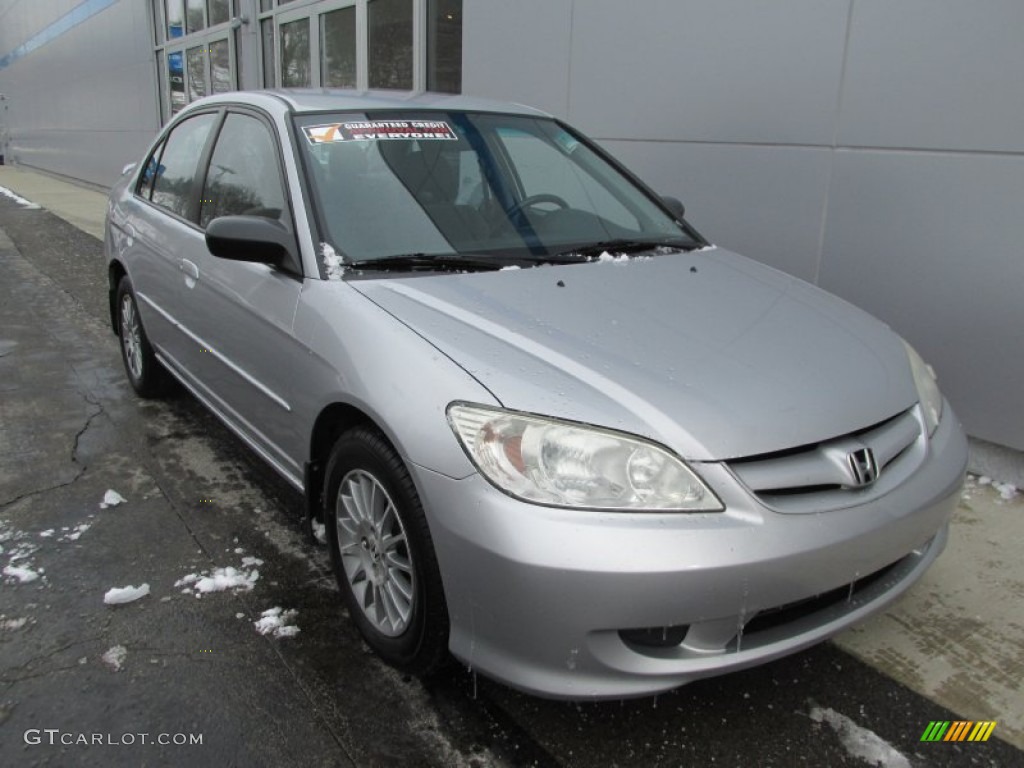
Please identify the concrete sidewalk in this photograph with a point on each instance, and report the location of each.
(957, 637)
(81, 206)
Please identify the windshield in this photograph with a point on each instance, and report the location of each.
(451, 184)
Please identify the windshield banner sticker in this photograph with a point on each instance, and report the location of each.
(376, 130)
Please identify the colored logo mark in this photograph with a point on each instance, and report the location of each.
(958, 730)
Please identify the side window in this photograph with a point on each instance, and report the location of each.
(175, 176)
(244, 176)
(144, 188)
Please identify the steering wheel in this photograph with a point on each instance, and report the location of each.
(532, 200)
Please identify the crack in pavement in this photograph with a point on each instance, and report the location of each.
(82, 468)
(43, 657)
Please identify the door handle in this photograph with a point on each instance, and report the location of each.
(191, 272)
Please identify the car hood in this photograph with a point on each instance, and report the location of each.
(707, 352)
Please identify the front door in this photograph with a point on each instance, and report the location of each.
(243, 311)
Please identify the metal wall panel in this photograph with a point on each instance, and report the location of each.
(518, 51)
(750, 112)
(931, 243)
(754, 113)
(762, 201)
(944, 74)
(84, 103)
(720, 71)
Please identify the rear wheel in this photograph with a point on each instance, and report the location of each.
(147, 377)
(382, 553)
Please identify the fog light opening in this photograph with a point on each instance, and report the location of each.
(655, 637)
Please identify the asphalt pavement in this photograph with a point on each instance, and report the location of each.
(87, 683)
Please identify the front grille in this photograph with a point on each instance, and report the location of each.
(820, 476)
(790, 612)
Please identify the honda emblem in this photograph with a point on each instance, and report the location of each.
(863, 466)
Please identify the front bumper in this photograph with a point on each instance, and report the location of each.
(539, 597)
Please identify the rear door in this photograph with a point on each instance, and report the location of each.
(160, 228)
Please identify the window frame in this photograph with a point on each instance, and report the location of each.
(204, 160)
(288, 214)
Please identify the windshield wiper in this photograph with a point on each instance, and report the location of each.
(440, 262)
(624, 246)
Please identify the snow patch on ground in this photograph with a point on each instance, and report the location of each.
(74, 533)
(333, 264)
(21, 551)
(860, 742)
(11, 625)
(249, 562)
(319, 531)
(111, 499)
(114, 658)
(18, 199)
(1007, 491)
(22, 575)
(18, 550)
(220, 580)
(276, 621)
(121, 595)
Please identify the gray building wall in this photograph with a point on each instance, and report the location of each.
(82, 102)
(873, 147)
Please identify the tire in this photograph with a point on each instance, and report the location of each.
(147, 377)
(383, 554)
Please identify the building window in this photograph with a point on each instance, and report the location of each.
(295, 65)
(386, 44)
(219, 11)
(175, 18)
(195, 16)
(444, 45)
(338, 48)
(220, 67)
(390, 43)
(176, 76)
(196, 62)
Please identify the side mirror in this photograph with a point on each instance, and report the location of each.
(128, 168)
(675, 206)
(252, 238)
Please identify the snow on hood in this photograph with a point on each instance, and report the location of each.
(709, 353)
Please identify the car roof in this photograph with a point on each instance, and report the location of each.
(311, 100)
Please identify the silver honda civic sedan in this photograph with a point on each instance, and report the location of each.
(549, 428)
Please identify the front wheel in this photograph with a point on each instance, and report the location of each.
(147, 377)
(383, 554)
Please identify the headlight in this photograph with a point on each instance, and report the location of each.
(572, 465)
(927, 389)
